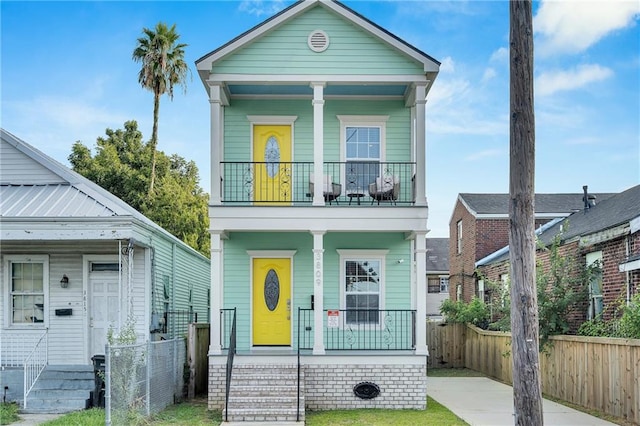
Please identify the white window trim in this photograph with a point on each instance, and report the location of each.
(8, 317)
(379, 255)
(363, 121)
(459, 236)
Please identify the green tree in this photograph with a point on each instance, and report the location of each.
(121, 166)
(163, 67)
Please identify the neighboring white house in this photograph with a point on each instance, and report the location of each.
(437, 275)
(76, 260)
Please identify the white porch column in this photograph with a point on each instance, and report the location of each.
(421, 199)
(215, 293)
(318, 142)
(318, 292)
(215, 99)
(421, 292)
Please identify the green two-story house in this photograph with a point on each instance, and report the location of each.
(318, 214)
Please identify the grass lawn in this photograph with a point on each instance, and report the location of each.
(195, 413)
(8, 413)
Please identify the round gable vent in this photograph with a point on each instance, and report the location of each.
(318, 41)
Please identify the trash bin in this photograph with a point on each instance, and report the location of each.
(98, 373)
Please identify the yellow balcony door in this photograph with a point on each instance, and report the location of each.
(272, 169)
(272, 301)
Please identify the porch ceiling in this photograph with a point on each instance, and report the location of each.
(393, 90)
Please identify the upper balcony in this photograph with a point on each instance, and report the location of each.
(350, 184)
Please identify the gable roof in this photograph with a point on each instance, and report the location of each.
(204, 64)
(616, 210)
(437, 255)
(61, 193)
(619, 209)
(545, 204)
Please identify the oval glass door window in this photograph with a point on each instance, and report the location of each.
(271, 290)
(272, 156)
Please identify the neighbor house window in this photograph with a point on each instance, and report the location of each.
(504, 291)
(596, 304)
(362, 288)
(433, 285)
(459, 237)
(362, 140)
(28, 278)
(444, 284)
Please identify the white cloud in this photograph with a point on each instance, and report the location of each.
(489, 74)
(261, 7)
(481, 155)
(573, 26)
(555, 81)
(447, 65)
(500, 55)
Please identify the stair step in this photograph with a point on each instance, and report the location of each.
(64, 384)
(59, 393)
(38, 405)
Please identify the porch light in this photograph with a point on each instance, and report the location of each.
(64, 282)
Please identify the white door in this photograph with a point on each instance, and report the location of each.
(104, 308)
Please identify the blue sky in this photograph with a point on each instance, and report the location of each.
(67, 75)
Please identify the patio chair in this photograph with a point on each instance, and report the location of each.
(385, 188)
(330, 190)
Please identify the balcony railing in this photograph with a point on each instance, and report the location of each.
(361, 329)
(347, 183)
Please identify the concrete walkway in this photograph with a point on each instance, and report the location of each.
(34, 419)
(481, 401)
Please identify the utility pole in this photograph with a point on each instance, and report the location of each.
(527, 392)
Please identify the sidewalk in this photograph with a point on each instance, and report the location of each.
(481, 401)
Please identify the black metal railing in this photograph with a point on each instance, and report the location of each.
(361, 329)
(350, 183)
(230, 355)
(226, 321)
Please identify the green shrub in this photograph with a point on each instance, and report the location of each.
(474, 312)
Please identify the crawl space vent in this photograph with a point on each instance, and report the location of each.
(318, 41)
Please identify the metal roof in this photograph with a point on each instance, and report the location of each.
(52, 200)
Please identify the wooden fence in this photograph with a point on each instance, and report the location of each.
(594, 372)
(197, 358)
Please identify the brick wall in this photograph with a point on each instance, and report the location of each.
(217, 385)
(331, 386)
(613, 281)
(462, 265)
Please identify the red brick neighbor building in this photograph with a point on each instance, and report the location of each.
(607, 233)
(479, 226)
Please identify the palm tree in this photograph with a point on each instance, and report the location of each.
(163, 66)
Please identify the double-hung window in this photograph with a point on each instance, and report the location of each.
(27, 278)
(362, 289)
(362, 140)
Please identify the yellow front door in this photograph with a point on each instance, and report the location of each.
(272, 170)
(271, 302)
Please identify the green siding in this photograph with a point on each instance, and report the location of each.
(237, 269)
(237, 135)
(351, 51)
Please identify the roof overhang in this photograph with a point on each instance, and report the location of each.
(205, 64)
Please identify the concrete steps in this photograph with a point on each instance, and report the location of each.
(61, 389)
(265, 393)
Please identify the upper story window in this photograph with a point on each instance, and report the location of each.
(362, 290)
(459, 237)
(27, 292)
(362, 140)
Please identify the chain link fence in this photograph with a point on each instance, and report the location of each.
(142, 379)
